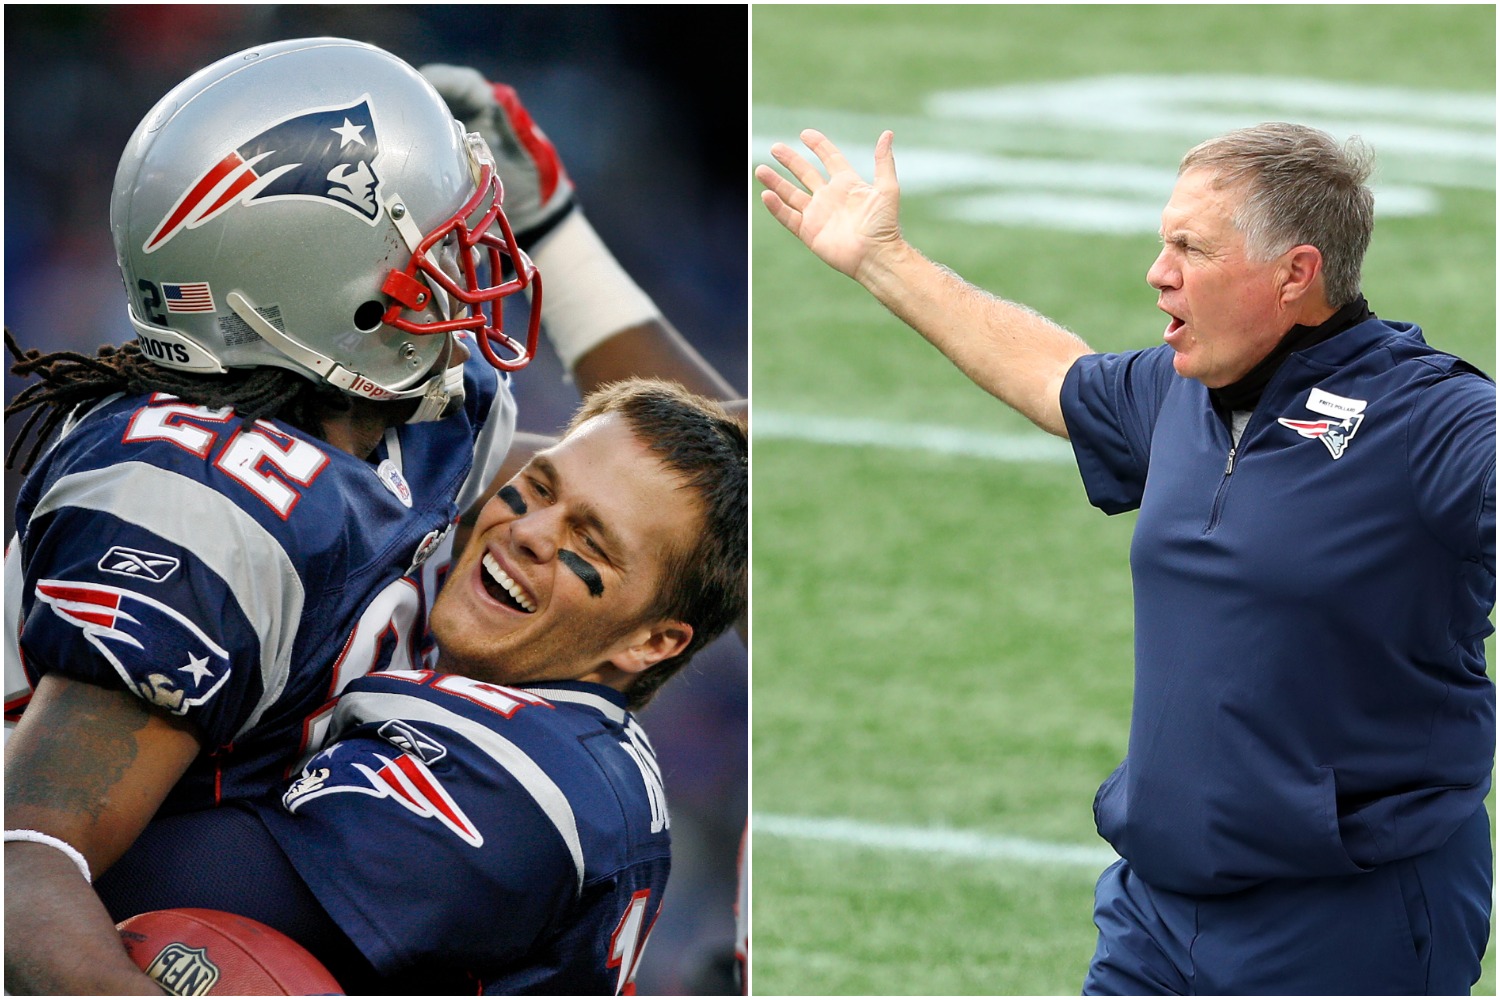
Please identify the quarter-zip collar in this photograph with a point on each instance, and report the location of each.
(1245, 393)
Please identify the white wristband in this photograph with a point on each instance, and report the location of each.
(37, 837)
(587, 296)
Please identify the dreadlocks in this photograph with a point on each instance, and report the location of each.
(69, 379)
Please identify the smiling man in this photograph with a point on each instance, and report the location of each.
(1301, 809)
(566, 563)
(524, 839)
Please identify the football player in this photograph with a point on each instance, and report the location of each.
(250, 505)
(523, 840)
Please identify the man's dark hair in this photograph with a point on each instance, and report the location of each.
(707, 450)
(70, 380)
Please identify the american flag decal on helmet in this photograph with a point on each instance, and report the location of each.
(325, 155)
(186, 297)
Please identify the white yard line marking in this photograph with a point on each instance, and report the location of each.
(932, 840)
(855, 431)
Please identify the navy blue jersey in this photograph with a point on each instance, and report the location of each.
(1311, 605)
(237, 574)
(455, 837)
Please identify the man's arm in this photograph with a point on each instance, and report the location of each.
(88, 766)
(1007, 349)
(653, 349)
(604, 327)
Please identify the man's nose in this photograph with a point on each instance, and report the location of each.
(1163, 272)
(536, 533)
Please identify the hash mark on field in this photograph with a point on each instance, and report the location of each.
(932, 840)
(1037, 447)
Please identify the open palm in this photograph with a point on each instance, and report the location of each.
(842, 218)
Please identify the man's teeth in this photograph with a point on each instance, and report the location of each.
(510, 586)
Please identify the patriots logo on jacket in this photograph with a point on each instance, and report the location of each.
(162, 657)
(1345, 413)
(326, 155)
(1333, 433)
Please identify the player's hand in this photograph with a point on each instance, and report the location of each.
(538, 191)
(843, 219)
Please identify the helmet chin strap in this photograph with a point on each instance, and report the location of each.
(444, 388)
(445, 392)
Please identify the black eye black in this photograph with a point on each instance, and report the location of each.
(511, 497)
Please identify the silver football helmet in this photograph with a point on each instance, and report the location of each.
(313, 205)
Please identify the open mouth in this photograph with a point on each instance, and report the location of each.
(502, 588)
(1174, 325)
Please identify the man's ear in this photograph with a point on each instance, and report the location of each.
(652, 644)
(1303, 266)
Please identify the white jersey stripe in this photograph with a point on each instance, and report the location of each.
(15, 678)
(357, 707)
(220, 535)
(603, 706)
(492, 444)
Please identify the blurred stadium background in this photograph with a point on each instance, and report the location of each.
(650, 130)
(942, 624)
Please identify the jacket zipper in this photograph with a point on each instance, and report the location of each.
(1213, 517)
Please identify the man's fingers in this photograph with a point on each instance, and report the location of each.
(781, 211)
(885, 161)
(825, 150)
(788, 192)
(810, 176)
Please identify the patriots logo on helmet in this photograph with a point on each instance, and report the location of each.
(1334, 434)
(162, 657)
(326, 155)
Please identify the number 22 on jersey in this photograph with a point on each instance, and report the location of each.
(264, 460)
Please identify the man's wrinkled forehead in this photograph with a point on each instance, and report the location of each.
(1200, 203)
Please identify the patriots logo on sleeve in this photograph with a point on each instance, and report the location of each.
(403, 778)
(162, 656)
(326, 155)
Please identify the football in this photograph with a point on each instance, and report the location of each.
(211, 953)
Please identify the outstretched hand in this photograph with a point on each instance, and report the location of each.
(842, 218)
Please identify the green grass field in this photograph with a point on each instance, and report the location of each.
(942, 642)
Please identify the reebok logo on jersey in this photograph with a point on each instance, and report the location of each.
(404, 736)
(1335, 433)
(325, 155)
(162, 656)
(138, 564)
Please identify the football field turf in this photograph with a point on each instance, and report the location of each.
(941, 624)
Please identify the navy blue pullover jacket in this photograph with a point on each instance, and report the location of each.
(1311, 605)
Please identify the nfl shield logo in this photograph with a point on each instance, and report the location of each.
(184, 971)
